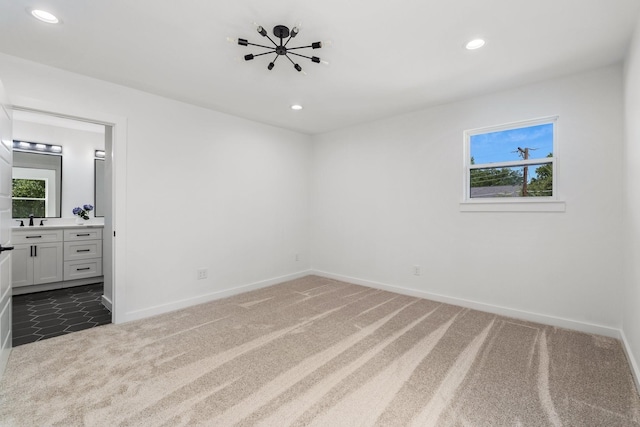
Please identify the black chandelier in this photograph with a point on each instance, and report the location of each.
(281, 32)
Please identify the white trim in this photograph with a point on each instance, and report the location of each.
(511, 125)
(487, 205)
(635, 369)
(177, 305)
(504, 204)
(512, 163)
(6, 346)
(119, 185)
(490, 308)
(107, 303)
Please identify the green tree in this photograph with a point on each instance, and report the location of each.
(542, 184)
(28, 197)
(491, 177)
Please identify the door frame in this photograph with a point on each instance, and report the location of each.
(118, 125)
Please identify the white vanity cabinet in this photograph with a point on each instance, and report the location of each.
(37, 257)
(55, 257)
(82, 253)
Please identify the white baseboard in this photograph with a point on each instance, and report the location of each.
(503, 311)
(177, 305)
(635, 369)
(107, 303)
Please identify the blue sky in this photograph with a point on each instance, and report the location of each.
(503, 145)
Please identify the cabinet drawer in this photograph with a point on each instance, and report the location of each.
(82, 234)
(82, 249)
(36, 236)
(82, 268)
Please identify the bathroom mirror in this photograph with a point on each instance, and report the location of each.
(37, 185)
(98, 203)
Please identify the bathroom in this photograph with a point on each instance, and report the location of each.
(58, 282)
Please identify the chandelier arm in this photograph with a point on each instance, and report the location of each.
(297, 54)
(260, 45)
(301, 47)
(290, 59)
(288, 40)
(274, 43)
(265, 53)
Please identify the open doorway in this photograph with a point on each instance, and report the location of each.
(80, 295)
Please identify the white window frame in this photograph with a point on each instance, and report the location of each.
(511, 204)
(45, 175)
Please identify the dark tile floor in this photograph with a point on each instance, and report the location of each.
(43, 315)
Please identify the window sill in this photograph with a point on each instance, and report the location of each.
(512, 206)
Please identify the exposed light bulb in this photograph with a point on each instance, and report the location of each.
(231, 40)
(296, 107)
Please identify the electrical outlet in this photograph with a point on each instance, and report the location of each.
(202, 273)
(416, 270)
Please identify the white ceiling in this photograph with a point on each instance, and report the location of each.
(386, 57)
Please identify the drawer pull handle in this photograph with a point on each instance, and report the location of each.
(86, 268)
(83, 250)
(82, 235)
(33, 237)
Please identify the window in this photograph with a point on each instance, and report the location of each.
(29, 197)
(511, 163)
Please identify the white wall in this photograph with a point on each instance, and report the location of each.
(78, 149)
(203, 190)
(631, 209)
(386, 197)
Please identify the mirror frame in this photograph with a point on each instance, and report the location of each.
(98, 188)
(59, 189)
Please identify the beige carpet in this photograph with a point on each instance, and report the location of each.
(319, 352)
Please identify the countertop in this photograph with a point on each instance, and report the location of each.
(44, 227)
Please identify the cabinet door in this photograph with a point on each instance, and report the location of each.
(22, 266)
(47, 263)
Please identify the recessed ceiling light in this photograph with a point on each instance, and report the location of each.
(475, 44)
(44, 16)
(296, 107)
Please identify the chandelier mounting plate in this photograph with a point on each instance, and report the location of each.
(281, 32)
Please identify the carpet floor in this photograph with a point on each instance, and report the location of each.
(318, 352)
